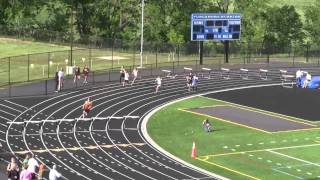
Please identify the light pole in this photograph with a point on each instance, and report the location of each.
(142, 24)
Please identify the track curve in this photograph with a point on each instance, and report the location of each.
(116, 148)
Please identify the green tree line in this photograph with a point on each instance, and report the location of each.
(165, 20)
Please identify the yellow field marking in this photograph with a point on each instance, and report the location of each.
(297, 130)
(228, 121)
(229, 169)
(78, 148)
(277, 114)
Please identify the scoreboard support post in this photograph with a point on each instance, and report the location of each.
(226, 51)
(201, 52)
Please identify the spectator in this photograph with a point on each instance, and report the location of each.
(32, 166)
(41, 171)
(61, 77)
(85, 72)
(54, 174)
(207, 126)
(25, 161)
(25, 173)
(13, 170)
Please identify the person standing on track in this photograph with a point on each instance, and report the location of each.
(61, 77)
(77, 75)
(158, 83)
(126, 79)
(56, 78)
(32, 166)
(122, 73)
(87, 106)
(135, 75)
(85, 72)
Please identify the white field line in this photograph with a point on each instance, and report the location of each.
(277, 170)
(294, 158)
(292, 147)
(24, 107)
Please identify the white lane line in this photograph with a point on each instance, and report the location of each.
(83, 99)
(14, 115)
(8, 107)
(1, 117)
(277, 170)
(148, 98)
(16, 104)
(294, 158)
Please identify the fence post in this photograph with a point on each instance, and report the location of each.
(173, 67)
(9, 70)
(178, 54)
(28, 67)
(48, 65)
(112, 53)
(46, 87)
(93, 76)
(157, 57)
(151, 70)
(90, 59)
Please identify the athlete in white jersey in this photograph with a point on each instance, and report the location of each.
(135, 75)
(158, 83)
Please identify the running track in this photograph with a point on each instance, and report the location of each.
(113, 149)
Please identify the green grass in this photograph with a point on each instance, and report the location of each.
(175, 130)
(15, 47)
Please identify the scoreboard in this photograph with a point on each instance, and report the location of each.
(215, 27)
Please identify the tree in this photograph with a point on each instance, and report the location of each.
(312, 25)
(283, 27)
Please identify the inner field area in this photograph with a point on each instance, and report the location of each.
(232, 150)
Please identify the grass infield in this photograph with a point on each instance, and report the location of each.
(234, 151)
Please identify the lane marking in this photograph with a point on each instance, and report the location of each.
(8, 113)
(16, 104)
(78, 148)
(11, 108)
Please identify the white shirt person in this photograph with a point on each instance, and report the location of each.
(54, 174)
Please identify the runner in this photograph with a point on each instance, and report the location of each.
(122, 72)
(135, 75)
(77, 75)
(158, 83)
(85, 72)
(189, 81)
(87, 106)
(61, 77)
(126, 79)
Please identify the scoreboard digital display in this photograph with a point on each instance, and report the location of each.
(215, 27)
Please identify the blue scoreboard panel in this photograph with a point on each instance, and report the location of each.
(215, 27)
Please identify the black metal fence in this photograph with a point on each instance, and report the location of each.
(107, 55)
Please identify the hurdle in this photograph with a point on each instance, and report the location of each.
(282, 72)
(203, 70)
(225, 73)
(263, 74)
(167, 73)
(187, 69)
(287, 81)
(244, 73)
